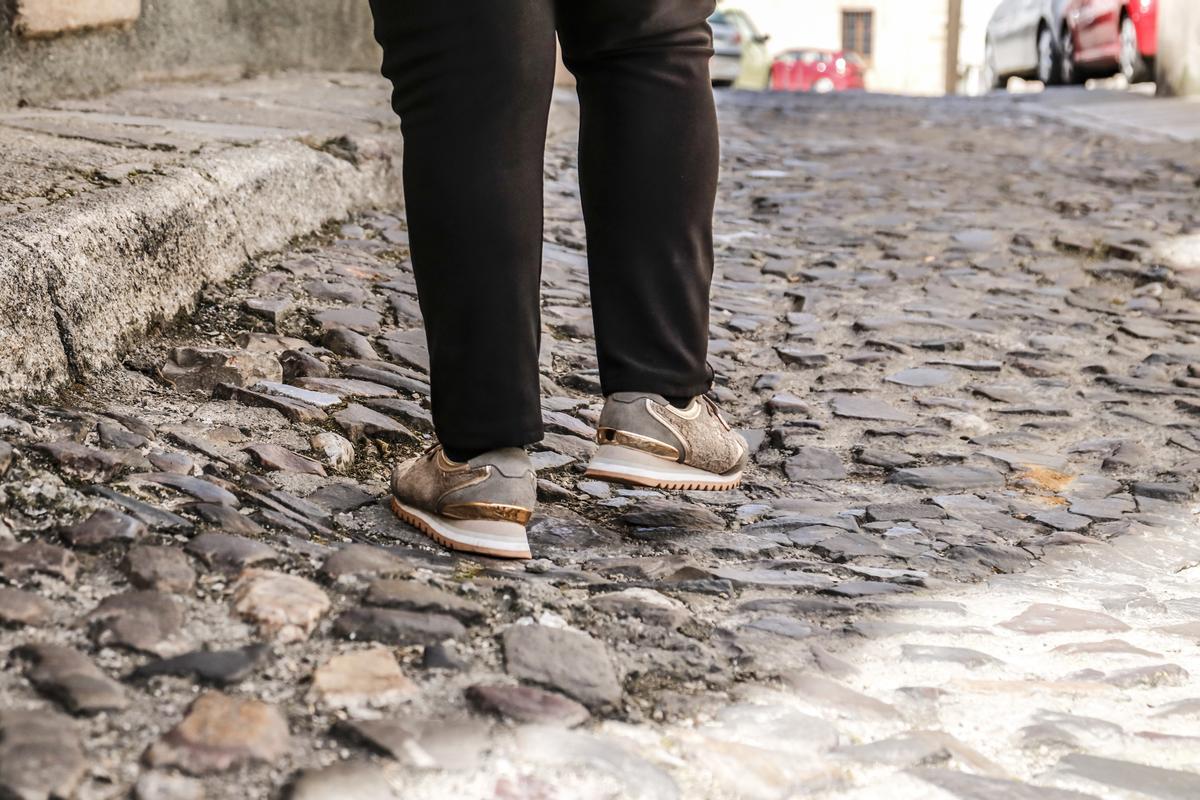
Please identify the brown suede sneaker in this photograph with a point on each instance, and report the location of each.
(646, 441)
(481, 506)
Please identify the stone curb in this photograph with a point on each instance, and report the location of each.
(82, 278)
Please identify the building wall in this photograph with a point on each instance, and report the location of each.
(910, 36)
(1179, 47)
(176, 39)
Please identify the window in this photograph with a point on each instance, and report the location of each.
(858, 32)
(748, 28)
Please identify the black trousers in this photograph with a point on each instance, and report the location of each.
(472, 85)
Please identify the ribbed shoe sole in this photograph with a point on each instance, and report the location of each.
(485, 537)
(614, 462)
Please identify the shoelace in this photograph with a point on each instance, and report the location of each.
(716, 411)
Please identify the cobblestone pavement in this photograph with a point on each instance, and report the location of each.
(962, 566)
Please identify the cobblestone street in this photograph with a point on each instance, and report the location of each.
(963, 564)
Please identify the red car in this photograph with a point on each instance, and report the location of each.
(1104, 37)
(817, 71)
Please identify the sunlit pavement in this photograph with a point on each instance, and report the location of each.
(962, 337)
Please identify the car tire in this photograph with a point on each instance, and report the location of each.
(1049, 70)
(1133, 65)
(1068, 70)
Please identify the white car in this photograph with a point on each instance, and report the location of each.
(1024, 40)
(726, 64)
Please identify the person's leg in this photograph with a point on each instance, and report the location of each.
(648, 159)
(472, 85)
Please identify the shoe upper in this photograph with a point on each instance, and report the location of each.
(498, 485)
(697, 436)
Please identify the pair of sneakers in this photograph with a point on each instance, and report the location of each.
(483, 505)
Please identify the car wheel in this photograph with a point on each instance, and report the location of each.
(991, 77)
(1049, 69)
(1068, 70)
(1133, 66)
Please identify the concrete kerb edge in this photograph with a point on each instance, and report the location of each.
(80, 279)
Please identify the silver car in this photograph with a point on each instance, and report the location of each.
(1024, 40)
(726, 63)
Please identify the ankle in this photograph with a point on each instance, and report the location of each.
(461, 456)
(679, 402)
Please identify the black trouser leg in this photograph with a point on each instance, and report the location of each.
(472, 85)
(648, 160)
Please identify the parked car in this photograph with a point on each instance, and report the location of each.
(740, 56)
(1106, 37)
(726, 62)
(1024, 40)
(817, 71)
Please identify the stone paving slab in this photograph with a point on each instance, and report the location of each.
(962, 564)
(1128, 114)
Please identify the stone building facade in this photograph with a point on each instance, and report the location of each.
(905, 40)
(63, 48)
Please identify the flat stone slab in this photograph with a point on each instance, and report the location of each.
(964, 786)
(221, 732)
(1049, 618)
(73, 679)
(1167, 784)
(571, 662)
(527, 704)
(867, 408)
(951, 478)
(285, 607)
(364, 679)
(40, 754)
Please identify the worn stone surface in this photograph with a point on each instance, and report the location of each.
(964, 408)
(146, 621)
(71, 678)
(18, 607)
(161, 785)
(569, 661)
(104, 527)
(220, 667)
(230, 551)
(527, 704)
(393, 626)
(23, 561)
(362, 680)
(191, 369)
(220, 733)
(40, 755)
(407, 594)
(274, 457)
(355, 561)
(443, 744)
(285, 607)
(162, 568)
(1049, 618)
(359, 422)
(44, 18)
(361, 781)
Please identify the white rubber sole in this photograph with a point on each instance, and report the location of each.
(486, 537)
(614, 462)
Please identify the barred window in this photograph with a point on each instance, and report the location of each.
(858, 29)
